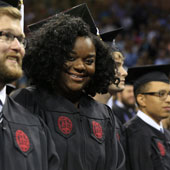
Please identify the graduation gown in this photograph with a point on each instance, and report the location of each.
(147, 147)
(85, 138)
(25, 142)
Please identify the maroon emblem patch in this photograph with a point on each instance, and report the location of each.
(22, 140)
(97, 130)
(118, 136)
(65, 125)
(161, 148)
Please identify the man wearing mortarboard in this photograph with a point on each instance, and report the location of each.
(148, 143)
(118, 57)
(119, 85)
(25, 142)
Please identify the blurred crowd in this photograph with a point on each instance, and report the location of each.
(145, 39)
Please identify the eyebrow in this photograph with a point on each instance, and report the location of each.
(89, 56)
(12, 31)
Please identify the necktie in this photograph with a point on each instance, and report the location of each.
(1, 105)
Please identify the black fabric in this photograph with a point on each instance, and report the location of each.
(85, 138)
(81, 10)
(122, 113)
(147, 148)
(6, 3)
(121, 139)
(144, 74)
(25, 141)
(153, 76)
(110, 35)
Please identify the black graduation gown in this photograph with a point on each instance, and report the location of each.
(147, 147)
(85, 138)
(121, 139)
(25, 142)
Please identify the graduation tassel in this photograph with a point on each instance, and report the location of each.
(22, 14)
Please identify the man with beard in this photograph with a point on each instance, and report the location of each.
(124, 106)
(25, 142)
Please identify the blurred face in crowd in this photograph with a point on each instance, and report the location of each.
(127, 96)
(11, 50)
(156, 106)
(121, 73)
(80, 66)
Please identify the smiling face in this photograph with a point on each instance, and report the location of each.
(11, 54)
(79, 67)
(121, 73)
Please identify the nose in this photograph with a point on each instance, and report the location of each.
(168, 97)
(16, 45)
(122, 72)
(79, 66)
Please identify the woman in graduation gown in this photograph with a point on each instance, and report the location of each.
(67, 65)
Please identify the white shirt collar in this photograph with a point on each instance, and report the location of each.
(120, 104)
(149, 120)
(110, 102)
(3, 95)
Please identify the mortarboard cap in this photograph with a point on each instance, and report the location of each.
(14, 3)
(17, 4)
(81, 10)
(111, 35)
(144, 74)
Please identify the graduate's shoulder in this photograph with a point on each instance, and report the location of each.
(136, 127)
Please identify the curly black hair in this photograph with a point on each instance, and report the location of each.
(49, 47)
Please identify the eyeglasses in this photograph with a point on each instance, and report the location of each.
(9, 38)
(163, 94)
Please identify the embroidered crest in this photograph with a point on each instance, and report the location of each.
(118, 136)
(22, 140)
(65, 125)
(97, 130)
(161, 148)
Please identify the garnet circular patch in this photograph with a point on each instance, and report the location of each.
(65, 125)
(97, 130)
(161, 148)
(22, 140)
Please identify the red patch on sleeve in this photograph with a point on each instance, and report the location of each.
(65, 125)
(97, 130)
(161, 148)
(118, 136)
(22, 140)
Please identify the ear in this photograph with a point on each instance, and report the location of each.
(141, 100)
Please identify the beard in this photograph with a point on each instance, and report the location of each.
(8, 75)
(128, 104)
